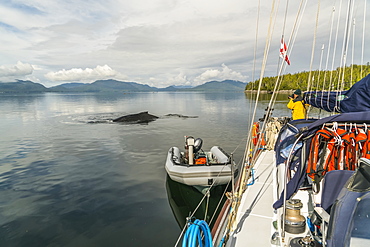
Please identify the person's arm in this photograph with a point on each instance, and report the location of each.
(290, 105)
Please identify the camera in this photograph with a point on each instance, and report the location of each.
(291, 96)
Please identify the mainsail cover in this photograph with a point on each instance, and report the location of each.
(356, 99)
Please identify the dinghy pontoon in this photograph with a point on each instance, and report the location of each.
(196, 167)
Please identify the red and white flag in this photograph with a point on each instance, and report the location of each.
(283, 51)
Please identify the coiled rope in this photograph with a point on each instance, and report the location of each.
(197, 234)
(206, 195)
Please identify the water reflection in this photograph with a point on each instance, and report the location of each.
(184, 199)
(65, 182)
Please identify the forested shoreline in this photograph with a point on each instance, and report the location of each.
(320, 80)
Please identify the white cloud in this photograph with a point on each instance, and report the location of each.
(162, 42)
(78, 74)
(225, 74)
(18, 70)
(180, 79)
(177, 80)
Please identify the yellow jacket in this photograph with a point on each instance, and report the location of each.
(298, 108)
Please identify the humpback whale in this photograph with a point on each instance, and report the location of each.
(142, 117)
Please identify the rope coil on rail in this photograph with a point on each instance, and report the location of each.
(197, 234)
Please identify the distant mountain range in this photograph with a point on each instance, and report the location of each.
(106, 86)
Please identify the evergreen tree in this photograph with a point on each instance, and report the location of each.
(339, 79)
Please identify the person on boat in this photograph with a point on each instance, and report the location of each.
(297, 105)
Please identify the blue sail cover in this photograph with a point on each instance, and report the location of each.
(356, 99)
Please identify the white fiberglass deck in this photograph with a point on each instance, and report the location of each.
(255, 215)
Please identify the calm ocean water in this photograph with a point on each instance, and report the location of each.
(71, 177)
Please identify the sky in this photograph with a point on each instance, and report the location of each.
(171, 42)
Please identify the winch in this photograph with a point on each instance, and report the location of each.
(295, 223)
(304, 242)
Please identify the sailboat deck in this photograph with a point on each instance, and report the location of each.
(255, 213)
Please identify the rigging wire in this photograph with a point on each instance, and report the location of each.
(329, 44)
(207, 204)
(282, 35)
(343, 61)
(291, 41)
(318, 80)
(327, 57)
(285, 15)
(248, 151)
(339, 72)
(191, 216)
(245, 168)
(296, 25)
(256, 40)
(353, 48)
(346, 42)
(313, 46)
(267, 49)
(206, 195)
(219, 204)
(363, 39)
(255, 55)
(320, 65)
(335, 46)
(279, 79)
(264, 61)
(321, 56)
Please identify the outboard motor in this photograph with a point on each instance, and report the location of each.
(197, 145)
